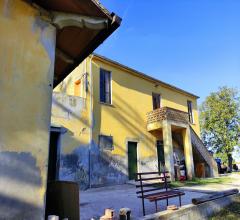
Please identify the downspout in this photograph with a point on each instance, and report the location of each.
(90, 117)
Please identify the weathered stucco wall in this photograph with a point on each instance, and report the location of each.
(27, 52)
(125, 119)
(81, 158)
(73, 113)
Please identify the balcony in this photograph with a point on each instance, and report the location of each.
(155, 117)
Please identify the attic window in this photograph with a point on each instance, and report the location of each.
(106, 142)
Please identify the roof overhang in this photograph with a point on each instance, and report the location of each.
(82, 25)
(157, 82)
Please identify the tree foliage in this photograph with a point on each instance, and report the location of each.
(220, 121)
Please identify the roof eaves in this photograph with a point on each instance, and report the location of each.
(115, 23)
(145, 76)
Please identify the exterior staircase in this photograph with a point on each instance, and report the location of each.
(201, 148)
(154, 119)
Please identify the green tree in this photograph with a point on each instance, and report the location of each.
(220, 122)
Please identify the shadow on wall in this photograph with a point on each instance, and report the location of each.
(132, 121)
(75, 166)
(108, 168)
(27, 180)
(175, 97)
(198, 159)
(69, 110)
(90, 166)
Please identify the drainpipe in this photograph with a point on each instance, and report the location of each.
(90, 116)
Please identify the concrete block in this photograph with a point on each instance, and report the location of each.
(196, 212)
(53, 217)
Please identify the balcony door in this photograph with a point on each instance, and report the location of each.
(156, 100)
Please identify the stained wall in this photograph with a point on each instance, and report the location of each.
(26, 74)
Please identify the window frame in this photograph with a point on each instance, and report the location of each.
(190, 111)
(160, 100)
(77, 88)
(101, 141)
(110, 87)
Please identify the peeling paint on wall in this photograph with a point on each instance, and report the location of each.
(75, 167)
(148, 164)
(26, 71)
(25, 180)
(107, 169)
(67, 107)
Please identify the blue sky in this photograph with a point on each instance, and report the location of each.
(192, 44)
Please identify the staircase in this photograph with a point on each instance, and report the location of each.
(201, 148)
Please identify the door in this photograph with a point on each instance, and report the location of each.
(156, 99)
(132, 160)
(160, 153)
(53, 159)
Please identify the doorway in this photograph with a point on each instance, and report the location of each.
(54, 156)
(132, 160)
(160, 154)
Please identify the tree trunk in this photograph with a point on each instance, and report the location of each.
(230, 159)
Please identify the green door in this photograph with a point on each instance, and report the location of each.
(160, 153)
(132, 160)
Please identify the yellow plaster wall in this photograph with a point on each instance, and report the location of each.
(131, 100)
(78, 126)
(27, 51)
(125, 120)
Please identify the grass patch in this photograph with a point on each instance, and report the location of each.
(201, 181)
(231, 212)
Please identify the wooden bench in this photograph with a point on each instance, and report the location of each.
(153, 186)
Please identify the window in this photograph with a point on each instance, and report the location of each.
(156, 99)
(105, 142)
(105, 86)
(81, 86)
(77, 88)
(190, 113)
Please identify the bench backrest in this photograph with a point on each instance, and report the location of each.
(151, 182)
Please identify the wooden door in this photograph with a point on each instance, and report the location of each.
(160, 153)
(54, 157)
(132, 160)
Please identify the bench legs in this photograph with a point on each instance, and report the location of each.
(180, 201)
(143, 207)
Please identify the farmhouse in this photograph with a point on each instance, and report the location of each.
(41, 43)
(110, 121)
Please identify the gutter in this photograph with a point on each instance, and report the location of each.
(90, 117)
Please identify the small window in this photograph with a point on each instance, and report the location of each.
(105, 142)
(190, 112)
(77, 88)
(156, 99)
(105, 86)
(81, 86)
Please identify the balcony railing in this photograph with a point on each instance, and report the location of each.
(166, 113)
